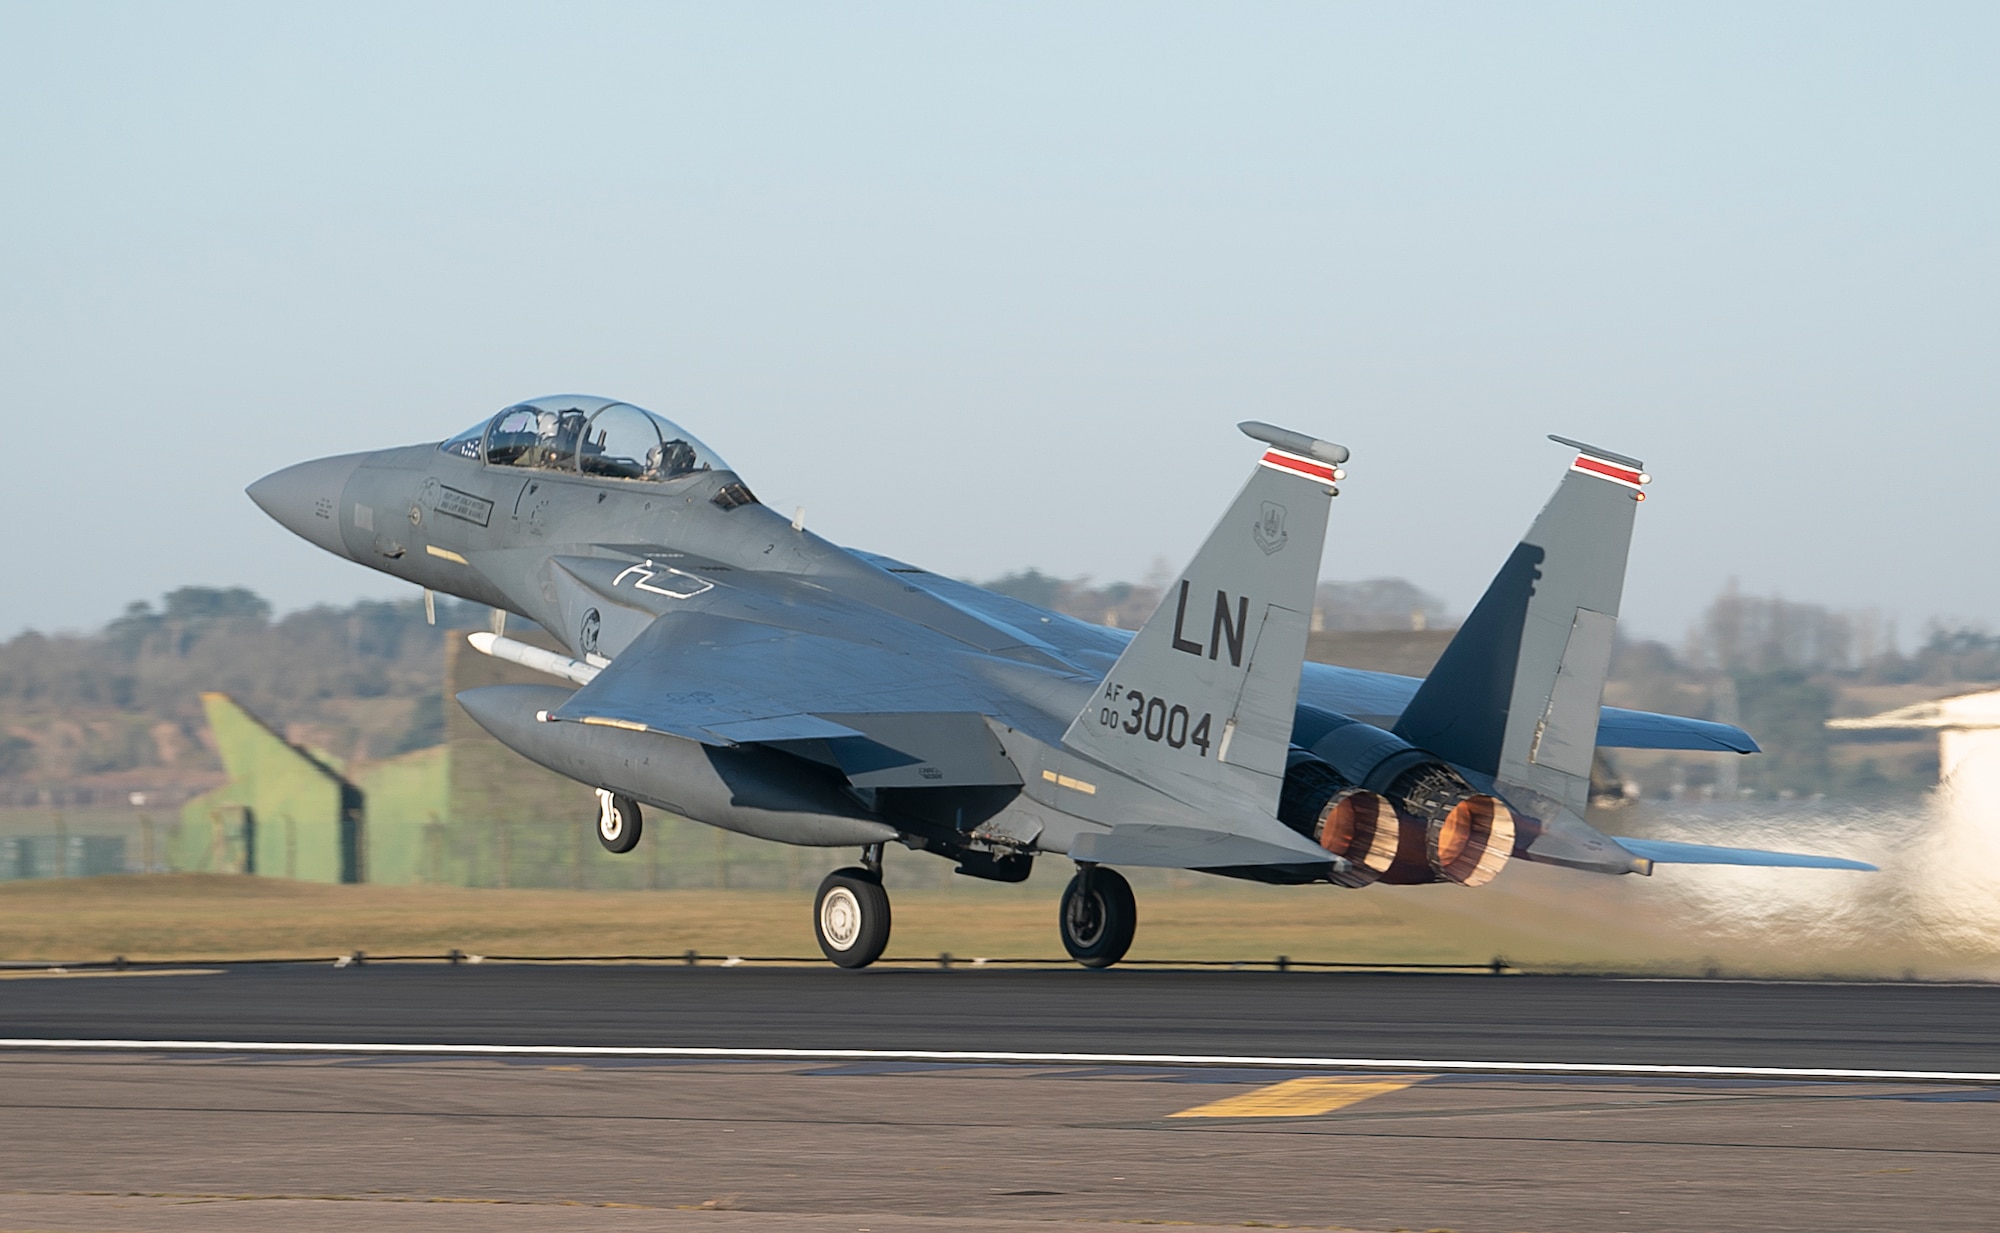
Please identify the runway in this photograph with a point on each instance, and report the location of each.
(150, 1140)
(1531, 1019)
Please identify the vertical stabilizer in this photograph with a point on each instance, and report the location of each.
(1517, 692)
(1201, 703)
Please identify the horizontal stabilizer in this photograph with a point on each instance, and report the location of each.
(1664, 852)
(1187, 847)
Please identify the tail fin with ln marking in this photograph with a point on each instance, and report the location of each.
(1201, 703)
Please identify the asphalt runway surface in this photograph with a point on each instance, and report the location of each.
(1303, 1014)
(154, 1140)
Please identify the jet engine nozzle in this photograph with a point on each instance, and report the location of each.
(1442, 829)
(1470, 842)
(1347, 821)
(1360, 826)
(1452, 832)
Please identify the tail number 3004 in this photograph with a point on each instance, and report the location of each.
(1138, 714)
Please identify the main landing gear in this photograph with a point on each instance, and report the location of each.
(1098, 917)
(851, 912)
(618, 821)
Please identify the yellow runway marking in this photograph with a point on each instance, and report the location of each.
(65, 974)
(1307, 1097)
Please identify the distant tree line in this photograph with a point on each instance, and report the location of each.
(129, 695)
(1373, 604)
(1780, 668)
(366, 680)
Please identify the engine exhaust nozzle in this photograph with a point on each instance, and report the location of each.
(1360, 826)
(1471, 841)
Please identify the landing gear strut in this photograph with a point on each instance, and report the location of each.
(618, 821)
(1098, 917)
(851, 912)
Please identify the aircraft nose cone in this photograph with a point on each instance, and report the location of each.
(305, 499)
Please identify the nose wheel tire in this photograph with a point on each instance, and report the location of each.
(1099, 917)
(851, 917)
(618, 822)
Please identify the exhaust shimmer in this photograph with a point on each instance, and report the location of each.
(1933, 912)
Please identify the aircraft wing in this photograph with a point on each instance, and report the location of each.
(1369, 697)
(723, 681)
(1372, 697)
(1379, 698)
(885, 716)
(1622, 729)
(1666, 852)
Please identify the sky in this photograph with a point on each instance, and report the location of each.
(987, 286)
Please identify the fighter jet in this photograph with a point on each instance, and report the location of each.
(727, 664)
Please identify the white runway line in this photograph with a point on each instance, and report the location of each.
(1008, 1057)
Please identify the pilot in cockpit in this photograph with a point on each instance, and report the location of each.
(669, 459)
(556, 436)
(588, 436)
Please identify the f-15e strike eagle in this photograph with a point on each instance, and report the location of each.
(731, 666)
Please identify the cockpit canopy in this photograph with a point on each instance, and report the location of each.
(593, 436)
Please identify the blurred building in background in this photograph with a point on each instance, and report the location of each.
(1968, 732)
(466, 812)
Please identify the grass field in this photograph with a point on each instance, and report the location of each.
(213, 916)
(1538, 918)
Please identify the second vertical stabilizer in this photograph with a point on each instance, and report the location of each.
(1516, 694)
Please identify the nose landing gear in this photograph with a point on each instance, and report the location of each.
(618, 821)
(1098, 916)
